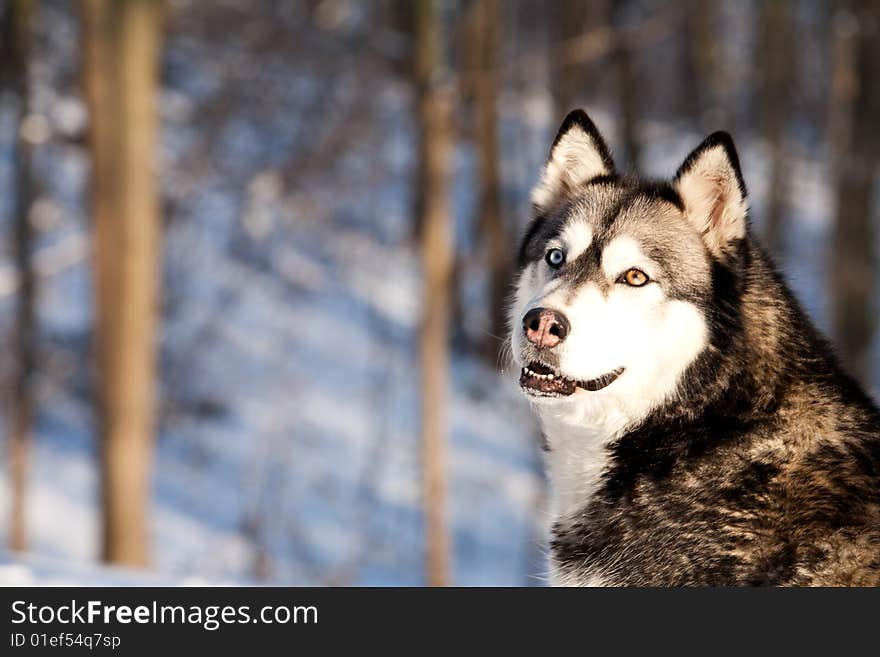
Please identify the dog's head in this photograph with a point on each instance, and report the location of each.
(615, 279)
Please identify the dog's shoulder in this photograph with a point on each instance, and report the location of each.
(792, 498)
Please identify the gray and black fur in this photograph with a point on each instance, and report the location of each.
(763, 468)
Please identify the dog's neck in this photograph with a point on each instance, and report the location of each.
(577, 436)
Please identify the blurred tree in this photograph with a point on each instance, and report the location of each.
(465, 53)
(496, 240)
(774, 66)
(568, 21)
(627, 86)
(855, 145)
(433, 119)
(16, 37)
(704, 87)
(580, 32)
(122, 50)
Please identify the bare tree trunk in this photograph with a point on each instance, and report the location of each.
(572, 19)
(704, 75)
(568, 24)
(626, 85)
(18, 28)
(852, 266)
(466, 69)
(121, 69)
(773, 64)
(491, 222)
(844, 85)
(435, 142)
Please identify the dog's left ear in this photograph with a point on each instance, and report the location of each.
(578, 155)
(711, 187)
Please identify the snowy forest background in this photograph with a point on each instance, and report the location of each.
(313, 160)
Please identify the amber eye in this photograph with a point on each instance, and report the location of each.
(635, 277)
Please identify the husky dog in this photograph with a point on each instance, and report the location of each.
(698, 428)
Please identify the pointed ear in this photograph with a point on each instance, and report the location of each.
(712, 190)
(578, 154)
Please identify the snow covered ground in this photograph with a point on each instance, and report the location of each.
(310, 472)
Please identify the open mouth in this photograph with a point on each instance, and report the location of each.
(543, 381)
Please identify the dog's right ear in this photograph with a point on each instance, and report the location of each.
(578, 155)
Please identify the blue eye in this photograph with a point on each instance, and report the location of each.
(555, 258)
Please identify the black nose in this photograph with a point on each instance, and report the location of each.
(544, 327)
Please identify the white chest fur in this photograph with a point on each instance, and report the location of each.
(577, 438)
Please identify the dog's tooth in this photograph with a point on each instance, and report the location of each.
(551, 376)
